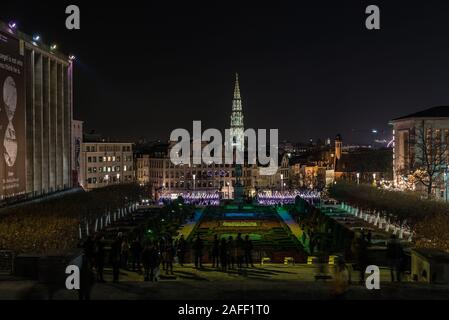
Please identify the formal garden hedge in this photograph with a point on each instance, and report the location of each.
(428, 218)
(51, 226)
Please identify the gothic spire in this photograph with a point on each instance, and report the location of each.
(237, 88)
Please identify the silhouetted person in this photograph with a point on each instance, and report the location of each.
(115, 257)
(239, 250)
(150, 261)
(215, 252)
(136, 251)
(182, 249)
(231, 252)
(100, 255)
(369, 237)
(223, 254)
(248, 247)
(169, 254)
(124, 253)
(89, 249)
(395, 256)
(361, 257)
(198, 251)
(87, 279)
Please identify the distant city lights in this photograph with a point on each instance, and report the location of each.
(36, 37)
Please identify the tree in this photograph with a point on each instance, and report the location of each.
(431, 155)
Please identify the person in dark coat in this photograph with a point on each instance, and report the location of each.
(239, 250)
(215, 252)
(181, 250)
(150, 260)
(100, 255)
(395, 256)
(169, 255)
(361, 257)
(87, 279)
(198, 246)
(231, 252)
(369, 237)
(223, 254)
(136, 251)
(248, 247)
(115, 257)
(89, 249)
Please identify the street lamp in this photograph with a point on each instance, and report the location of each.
(193, 176)
(282, 182)
(229, 190)
(358, 178)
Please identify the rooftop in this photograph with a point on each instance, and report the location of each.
(435, 112)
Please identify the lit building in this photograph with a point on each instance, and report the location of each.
(143, 169)
(77, 140)
(413, 134)
(164, 176)
(106, 163)
(37, 122)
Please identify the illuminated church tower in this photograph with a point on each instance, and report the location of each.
(237, 128)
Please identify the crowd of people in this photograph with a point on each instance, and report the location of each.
(148, 259)
(225, 254)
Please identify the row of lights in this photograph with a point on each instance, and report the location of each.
(36, 38)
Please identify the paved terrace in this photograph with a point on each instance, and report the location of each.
(267, 282)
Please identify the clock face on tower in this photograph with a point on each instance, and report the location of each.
(10, 97)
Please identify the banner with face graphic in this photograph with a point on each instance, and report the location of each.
(12, 117)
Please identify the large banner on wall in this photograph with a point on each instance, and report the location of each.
(12, 117)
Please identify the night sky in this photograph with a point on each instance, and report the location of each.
(309, 68)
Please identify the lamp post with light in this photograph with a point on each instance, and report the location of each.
(358, 178)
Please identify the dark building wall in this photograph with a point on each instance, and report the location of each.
(48, 117)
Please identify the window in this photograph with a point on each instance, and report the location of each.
(89, 159)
